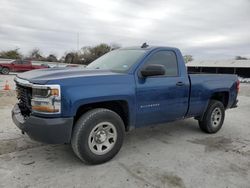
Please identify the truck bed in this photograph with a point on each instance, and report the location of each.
(203, 86)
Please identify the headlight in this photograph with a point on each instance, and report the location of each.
(46, 99)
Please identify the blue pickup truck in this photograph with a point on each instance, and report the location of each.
(91, 108)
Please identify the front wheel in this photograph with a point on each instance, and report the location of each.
(98, 136)
(5, 70)
(213, 118)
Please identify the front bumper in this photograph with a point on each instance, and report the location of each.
(47, 130)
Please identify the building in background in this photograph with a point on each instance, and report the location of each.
(239, 67)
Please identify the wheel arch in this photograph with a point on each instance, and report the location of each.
(119, 106)
(222, 96)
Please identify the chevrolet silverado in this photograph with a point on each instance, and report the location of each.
(91, 108)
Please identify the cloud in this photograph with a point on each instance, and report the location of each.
(206, 29)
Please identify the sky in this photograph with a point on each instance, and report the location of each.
(215, 29)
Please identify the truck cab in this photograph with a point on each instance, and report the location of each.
(156, 95)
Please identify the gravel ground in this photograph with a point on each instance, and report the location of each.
(171, 155)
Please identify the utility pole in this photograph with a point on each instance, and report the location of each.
(77, 41)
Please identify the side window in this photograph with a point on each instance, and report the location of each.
(17, 62)
(167, 59)
(25, 62)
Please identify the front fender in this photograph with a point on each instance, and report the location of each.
(73, 97)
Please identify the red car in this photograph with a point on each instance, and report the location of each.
(19, 66)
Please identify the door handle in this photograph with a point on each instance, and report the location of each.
(180, 84)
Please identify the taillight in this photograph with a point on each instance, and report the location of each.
(238, 86)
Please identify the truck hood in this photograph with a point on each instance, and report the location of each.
(42, 76)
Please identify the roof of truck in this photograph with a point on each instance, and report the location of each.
(147, 48)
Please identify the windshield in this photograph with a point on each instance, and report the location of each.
(117, 60)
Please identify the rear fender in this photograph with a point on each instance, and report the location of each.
(214, 96)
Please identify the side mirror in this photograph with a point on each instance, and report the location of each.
(153, 70)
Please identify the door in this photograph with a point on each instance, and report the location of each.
(20, 65)
(16, 65)
(162, 98)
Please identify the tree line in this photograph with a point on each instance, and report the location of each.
(84, 56)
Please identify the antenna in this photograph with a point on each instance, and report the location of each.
(144, 45)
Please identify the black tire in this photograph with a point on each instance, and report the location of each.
(5, 70)
(84, 128)
(207, 123)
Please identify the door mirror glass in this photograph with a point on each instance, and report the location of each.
(153, 70)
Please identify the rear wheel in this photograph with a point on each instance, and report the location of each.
(5, 70)
(213, 118)
(98, 136)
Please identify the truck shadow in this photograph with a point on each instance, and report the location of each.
(27, 152)
(165, 131)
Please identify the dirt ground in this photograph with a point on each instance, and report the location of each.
(171, 155)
